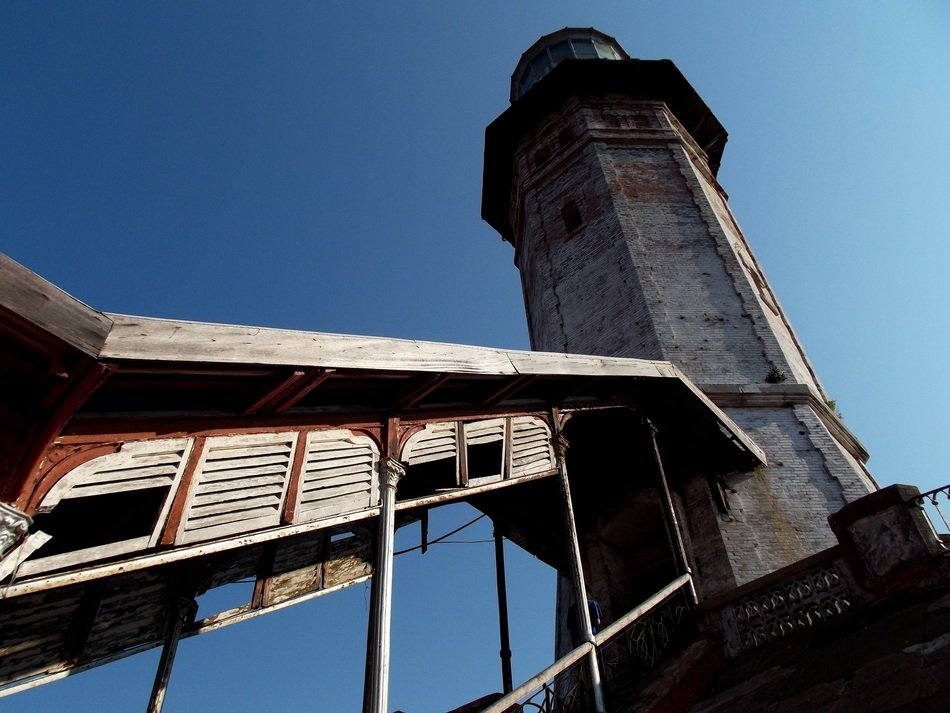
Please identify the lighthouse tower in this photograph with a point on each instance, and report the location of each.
(602, 175)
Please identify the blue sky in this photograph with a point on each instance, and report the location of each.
(318, 166)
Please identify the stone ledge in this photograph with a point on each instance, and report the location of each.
(783, 395)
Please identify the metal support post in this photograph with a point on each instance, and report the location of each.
(672, 521)
(376, 693)
(577, 566)
(183, 608)
(505, 651)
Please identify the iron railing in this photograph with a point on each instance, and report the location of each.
(628, 649)
(631, 647)
(930, 503)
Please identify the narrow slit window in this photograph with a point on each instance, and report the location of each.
(572, 216)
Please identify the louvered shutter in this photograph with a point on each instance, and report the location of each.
(141, 464)
(340, 474)
(239, 485)
(477, 432)
(436, 441)
(531, 450)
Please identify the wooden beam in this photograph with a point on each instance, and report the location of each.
(44, 305)
(509, 389)
(420, 392)
(54, 421)
(170, 531)
(274, 394)
(313, 380)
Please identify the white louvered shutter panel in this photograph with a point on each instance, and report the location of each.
(137, 465)
(239, 485)
(531, 450)
(436, 441)
(484, 431)
(340, 474)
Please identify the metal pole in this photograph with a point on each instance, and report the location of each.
(577, 566)
(156, 701)
(377, 691)
(672, 521)
(505, 651)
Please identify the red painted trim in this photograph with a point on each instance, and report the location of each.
(175, 514)
(295, 396)
(293, 487)
(30, 497)
(37, 448)
(273, 395)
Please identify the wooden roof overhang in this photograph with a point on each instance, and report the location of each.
(79, 383)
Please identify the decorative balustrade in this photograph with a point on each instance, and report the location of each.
(628, 648)
(808, 599)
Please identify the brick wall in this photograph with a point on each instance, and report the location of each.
(627, 247)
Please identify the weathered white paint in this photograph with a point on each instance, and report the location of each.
(239, 485)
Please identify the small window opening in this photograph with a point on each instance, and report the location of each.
(96, 520)
(227, 598)
(484, 460)
(565, 136)
(426, 478)
(572, 216)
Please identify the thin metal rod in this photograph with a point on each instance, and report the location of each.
(505, 650)
(157, 699)
(376, 696)
(672, 521)
(577, 566)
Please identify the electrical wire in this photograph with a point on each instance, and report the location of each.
(439, 539)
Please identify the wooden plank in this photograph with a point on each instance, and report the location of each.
(223, 477)
(362, 476)
(365, 469)
(203, 500)
(293, 479)
(224, 486)
(123, 486)
(44, 305)
(117, 475)
(169, 340)
(220, 451)
(328, 495)
(76, 557)
(225, 525)
(186, 484)
(141, 460)
(215, 465)
(201, 511)
(338, 460)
